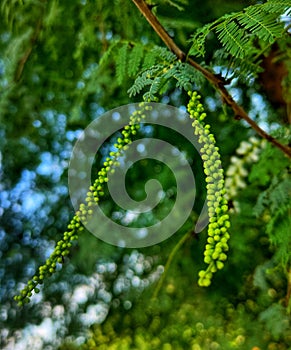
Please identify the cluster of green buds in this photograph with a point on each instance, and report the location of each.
(247, 153)
(57, 257)
(75, 227)
(96, 190)
(216, 248)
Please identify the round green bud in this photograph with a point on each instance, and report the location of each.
(202, 273)
(224, 208)
(209, 274)
(213, 268)
(207, 259)
(206, 282)
(215, 255)
(219, 265)
(222, 257)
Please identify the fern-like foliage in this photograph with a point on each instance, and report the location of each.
(178, 4)
(276, 6)
(121, 64)
(9, 11)
(232, 66)
(153, 68)
(244, 36)
(128, 58)
(159, 75)
(136, 56)
(273, 205)
(238, 31)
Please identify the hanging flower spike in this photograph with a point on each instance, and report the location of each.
(75, 227)
(215, 252)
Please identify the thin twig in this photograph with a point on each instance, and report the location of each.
(216, 81)
(169, 261)
(27, 53)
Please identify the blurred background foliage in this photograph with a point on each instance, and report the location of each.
(52, 86)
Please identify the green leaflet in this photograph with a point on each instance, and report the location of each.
(237, 31)
(160, 75)
(121, 64)
(245, 34)
(262, 24)
(274, 204)
(151, 67)
(135, 58)
(232, 38)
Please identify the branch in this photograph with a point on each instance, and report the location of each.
(27, 53)
(216, 81)
(169, 261)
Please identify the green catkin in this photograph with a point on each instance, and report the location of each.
(218, 236)
(216, 247)
(75, 227)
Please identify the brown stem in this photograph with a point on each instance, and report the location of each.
(216, 81)
(27, 53)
